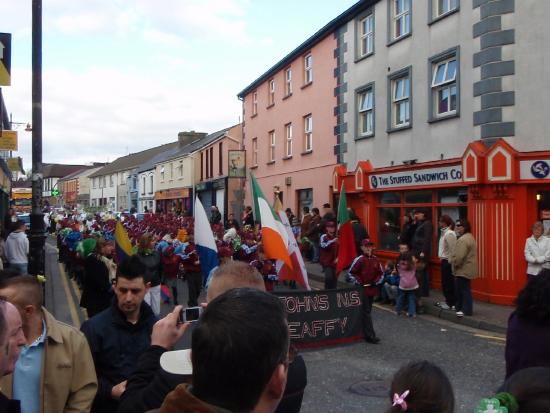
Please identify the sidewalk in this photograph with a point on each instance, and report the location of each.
(489, 317)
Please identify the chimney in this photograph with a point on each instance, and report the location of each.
(185, 138)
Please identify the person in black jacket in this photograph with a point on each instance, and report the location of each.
(151, 259)
(359, 231)
(422, 246)
(120, 334)
(215, 215)
(97, 291)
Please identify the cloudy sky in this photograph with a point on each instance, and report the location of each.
(120, 76)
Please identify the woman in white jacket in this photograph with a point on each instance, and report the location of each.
(537, 250)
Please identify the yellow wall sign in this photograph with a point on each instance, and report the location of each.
(14, 164)
(5, 59)
(8, 140)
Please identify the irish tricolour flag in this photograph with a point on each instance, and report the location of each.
(274, 236)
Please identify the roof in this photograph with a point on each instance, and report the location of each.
(328, 29)
(133, 160)
(87, 170)
(22, 183)
(57, 170)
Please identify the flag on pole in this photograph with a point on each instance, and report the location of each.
(274, 237)
(123, 246)
(204, 240)
(346, 240)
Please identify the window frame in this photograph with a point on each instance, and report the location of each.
(369, 87)
(254, 152)
(254, 103)
(359, 35)
(271, 147)
(270, 92)
(433, 63)
(288, 82)
(308, 69)
(308, 133)
(393, 17)
(392, 104)
(434, 14)
(288, 140)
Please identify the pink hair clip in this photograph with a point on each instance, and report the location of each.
(400, 400)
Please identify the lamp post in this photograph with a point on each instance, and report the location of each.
(37, 236)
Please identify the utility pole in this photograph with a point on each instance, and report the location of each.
(37, 236)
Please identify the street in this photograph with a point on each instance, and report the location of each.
(355, 378)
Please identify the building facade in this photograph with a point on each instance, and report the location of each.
(52, 173)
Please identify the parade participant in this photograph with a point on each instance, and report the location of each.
(528, 332)
(367, 270)
(192, 268)
(464, 262)
(359, 231)
(266, 268)
(150, 258)
(231, 237)
(120, 334)
(170, 267)
(97, 291)
(328, 256)
(407, 285)
(312, 234)
(228, 337)
(537, 251)
(55, 371)
(421, 387)
(447, 243)
(17, 248)
(421, 245)
(249, 250)
(248, 217)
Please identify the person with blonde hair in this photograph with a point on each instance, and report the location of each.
(537, 250)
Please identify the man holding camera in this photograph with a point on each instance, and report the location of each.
(120, 334)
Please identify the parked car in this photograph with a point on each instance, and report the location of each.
(26, 218)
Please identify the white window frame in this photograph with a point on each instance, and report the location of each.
(288, 142)
(271, 147)
(180, 169)
(308, 68)
(446, 83)
(288, 81)
(364, 112)
(254, 103)
(255, 152)
(404, 16)
(402, 99)
(308, 133)
(443, 7)
(151, 181)
(162, 173)
(271, 96)
(366, 38)
(144, 186)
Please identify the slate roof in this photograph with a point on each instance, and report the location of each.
(57, 170)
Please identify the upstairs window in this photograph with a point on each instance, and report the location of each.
(271, 96)
(308, 133)
(444, 87)
(365, 109)
(288, 82)
(288, 142)
(308, 69)
(255, 152)
(401, 13)
(254, 103)
(401, 98)
(366, 36)
(443, 7)
(271, 154)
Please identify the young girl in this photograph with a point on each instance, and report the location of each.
(421, 387)
(407, 285)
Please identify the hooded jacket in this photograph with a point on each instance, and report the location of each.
(17, 248)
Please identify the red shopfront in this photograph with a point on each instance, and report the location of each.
(501, 192)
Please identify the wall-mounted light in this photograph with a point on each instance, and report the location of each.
(539, 197)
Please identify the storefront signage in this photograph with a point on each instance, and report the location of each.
(172, 194)
(321, 318)
(424, 177)
(535, 169)
(8, 140)
(237, 164)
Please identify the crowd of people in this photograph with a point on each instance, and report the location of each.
(123, 357)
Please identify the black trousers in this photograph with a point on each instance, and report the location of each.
(464, 300)
(330, 278)
(448, 282)
(194, 285)
(368, 328)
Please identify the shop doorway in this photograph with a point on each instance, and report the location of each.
(543, 208)
(305, 199)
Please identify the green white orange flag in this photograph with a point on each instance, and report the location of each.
(346, 240)
(274, 237)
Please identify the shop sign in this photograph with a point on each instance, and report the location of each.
(535, 169)
(8, 140)
(237, 164)
(417, 177)
(172, 194)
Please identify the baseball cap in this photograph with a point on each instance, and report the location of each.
(177, 362)
(366, 242)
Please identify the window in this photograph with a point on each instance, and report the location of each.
(401, 15)
(111, 180)
(308, 69)
(255, 152)
(288, 142)
(171, 171)
(94, 183)
(288, 82)
(271, 155)
(220, 158)
(271, 96)
(400, 104)
(143, 186)
(442, 7)
(308, 133)
(202, 166)
(211, 150)
(162, 173)
(180, 169)
(365, 109)
(444, 87)
(151, 178)
(366, 36)
(254, 103)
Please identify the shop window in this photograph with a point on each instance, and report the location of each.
(390, 198)
(418, 197)
(452, 195)
(389, 228)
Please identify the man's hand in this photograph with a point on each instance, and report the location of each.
(167, 331)
(117, 390)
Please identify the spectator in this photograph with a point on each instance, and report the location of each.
(359, 231)
(312, 233)
(290, 216)
(150, 258)
(447, 243)
(528, 332)
(17, 248)
(55, 371)
(422, 246)
(120, 334)
(537, 251)
(240, 363)
(389, 285)
(232, 222)
(464, 262)
(215, 215)
(97, 291)
(9, 221)
(408, 284)
(421, 387)
(192, 267)
(248, 217)
(11, 341)
(407, 233)
(306, 219)
(526, 391)
(329, 255)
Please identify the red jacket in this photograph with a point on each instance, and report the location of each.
(266, 268)
(170, 265)
(368, 271)
(192, 256)
(329, 250)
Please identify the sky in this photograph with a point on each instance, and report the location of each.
(120, 76)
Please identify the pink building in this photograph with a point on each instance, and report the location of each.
(289, 125)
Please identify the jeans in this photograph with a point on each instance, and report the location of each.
(194, 285)
(330, 278)
(153, 299)
(425, 282)
(391, 291)
(316, 251)
(448, 282)
(366, 310)
(20, 268)
(463, 291)
(408, 296)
